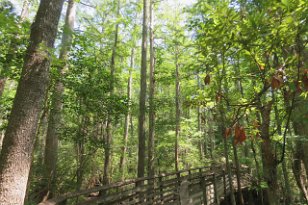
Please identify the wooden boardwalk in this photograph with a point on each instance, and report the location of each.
(198, 186)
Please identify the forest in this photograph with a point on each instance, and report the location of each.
(97, 92)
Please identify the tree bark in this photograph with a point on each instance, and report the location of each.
(108, 142)
(223, 128)
(80, 151)
(300, 160)
(142, 97)
(178, 112)
(268, 157)
(55, 118)
(287, 190)
(151, 140)
(20, 134)
(128, 115)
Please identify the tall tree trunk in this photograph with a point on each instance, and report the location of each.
(108, 142)
(151, 140)
(299, 118)
(80, 151)
(238, 175)
(268, 157)
(55, 118)
(201, 141)
(19, 138)
(235, 154)
(211, 134)
(229, 171)
(128, 115)
(223, 128)
(142, 97)
(299, 169)
(287, 191)
(177, 112)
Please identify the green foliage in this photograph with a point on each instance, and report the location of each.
(228, 53)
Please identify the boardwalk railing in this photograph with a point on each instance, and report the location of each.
(205, 185)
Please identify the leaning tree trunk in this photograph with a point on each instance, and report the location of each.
(19, 138)
(142, 97)
(55, 119)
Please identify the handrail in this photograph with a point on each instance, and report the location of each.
(162, 186)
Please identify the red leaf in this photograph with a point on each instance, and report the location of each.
(276, 82)
(242, 136)
(207, 79)
(305, 79)
(239, 135)
(227, 132)
(218, 98)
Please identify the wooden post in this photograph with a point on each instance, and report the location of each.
(184, 193)
(225, 183)
(178, 185)
(203, 187)
(215, 189)
(161, 188)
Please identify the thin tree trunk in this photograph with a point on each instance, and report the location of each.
(238, 176)
(299, 170)
(108, 142)
(200, 131)
(80, 151)
(178, 112)
(151, 140)
(229, 171)
(223, 128)
(19, 139)
(55, 118)
(254, 154)
(236, 161)
(298, 117)
(142, 97)
(287, 191)
(211, 135)
(2, 85)
(128, 115)
(200, 127)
